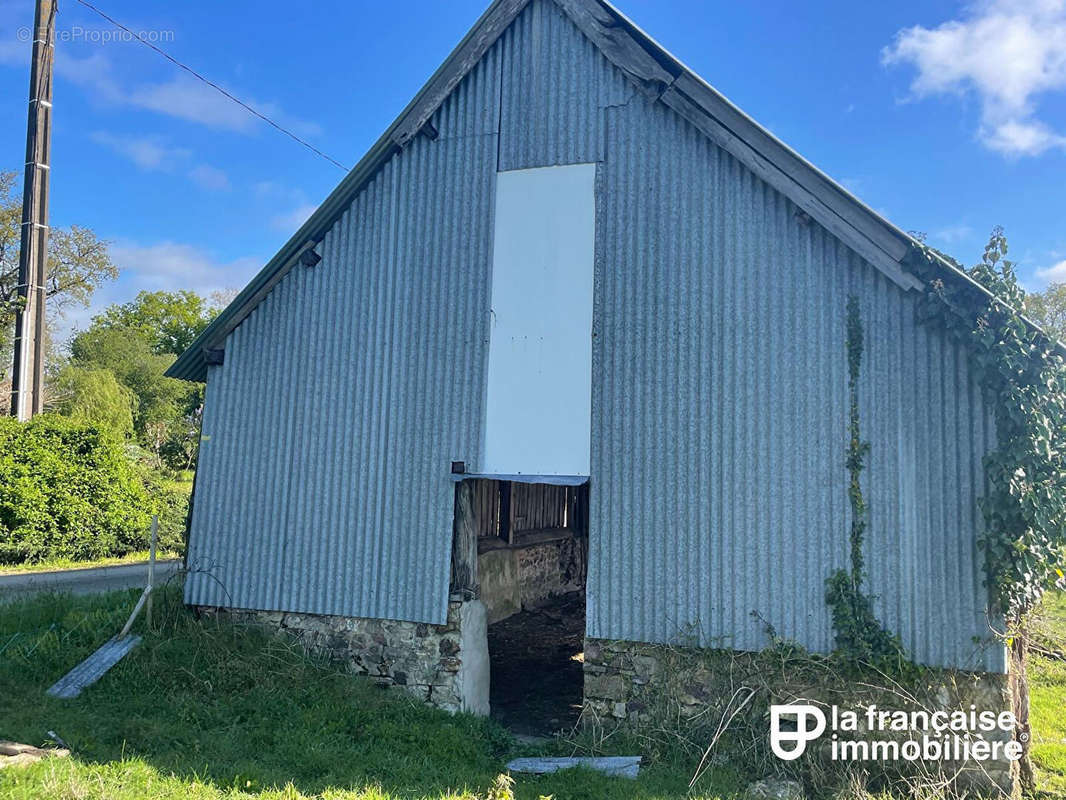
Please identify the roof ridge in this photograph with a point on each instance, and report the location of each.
(660, 76)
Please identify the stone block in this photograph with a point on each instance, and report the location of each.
(593, 651)
(450, 664)
(645, 666)
(605, 686)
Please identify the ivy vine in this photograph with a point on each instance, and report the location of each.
(860, 636)
(1022, 375)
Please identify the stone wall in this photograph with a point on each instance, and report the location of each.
(690, 691)
(443, 665)
(525, 574)
(497, 573)
(552, 568)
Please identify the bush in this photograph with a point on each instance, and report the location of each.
(67, 490)
(169, 490)
(172, 506)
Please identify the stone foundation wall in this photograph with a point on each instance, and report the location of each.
(641, 685)
(443, 665)
(524, 575)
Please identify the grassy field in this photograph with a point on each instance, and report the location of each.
(1047, 676)
(206, 710)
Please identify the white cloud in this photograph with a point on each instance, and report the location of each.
(92, 73)
(147, 152)
(278, 194)
(161, 266)
(210, 178)
(269, 189)
(186, 98)
(174, 265)
(1022, 138)
(1007, 52)
(14, 43)
(1056, 273)
(291, 220)
(953, 234)
(153, 154)
(182, 97)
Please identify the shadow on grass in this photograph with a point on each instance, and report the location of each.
(238, 709)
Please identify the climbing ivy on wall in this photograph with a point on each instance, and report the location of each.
(859, 634)
(1022, 375)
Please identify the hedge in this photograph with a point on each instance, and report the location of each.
(67, 490)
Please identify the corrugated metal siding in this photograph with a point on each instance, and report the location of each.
(719, 418)
(718, 484)
(329, 430)
(555, 88)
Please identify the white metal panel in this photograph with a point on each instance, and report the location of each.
(538, 409)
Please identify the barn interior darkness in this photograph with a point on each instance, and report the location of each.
(532, 560)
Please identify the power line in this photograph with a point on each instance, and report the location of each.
(213, 85)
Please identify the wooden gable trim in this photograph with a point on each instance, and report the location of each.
(466, 56)
(662, 77)
(658, 75)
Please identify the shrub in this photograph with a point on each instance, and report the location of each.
(67, 490)
(169, 490)
(172, 506)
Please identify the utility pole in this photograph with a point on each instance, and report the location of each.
(27, 376)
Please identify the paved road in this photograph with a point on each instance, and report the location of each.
(85, 581)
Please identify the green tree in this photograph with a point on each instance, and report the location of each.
(136, 342)
(95, 397)
(1048, 309)
(170, 321)
(128, 355)
(78, 263)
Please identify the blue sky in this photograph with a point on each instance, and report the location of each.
(947, 118)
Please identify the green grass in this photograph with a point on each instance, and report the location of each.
(203, 709)
(1047, 698)
(69, 563)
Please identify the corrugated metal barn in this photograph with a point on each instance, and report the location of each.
(572, 275)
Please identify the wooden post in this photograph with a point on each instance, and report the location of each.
(1018, 683)
(151, 569)
(464, 541)
(506, 521)
(146, 596)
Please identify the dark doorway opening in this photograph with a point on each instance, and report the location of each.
(536, 662)
(532, 563)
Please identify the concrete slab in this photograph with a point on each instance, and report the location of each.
(617, 766)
